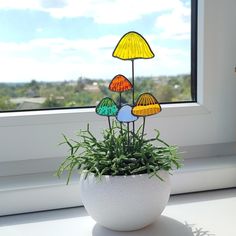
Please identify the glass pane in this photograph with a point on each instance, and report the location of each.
(59, 53)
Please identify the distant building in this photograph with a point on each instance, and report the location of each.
(32, 93)
(92, 87)
(25, 103)
(28, 106)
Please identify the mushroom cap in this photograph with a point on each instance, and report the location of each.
(146, 105)
(120, 84)
(125, 114)
(131, 46)
(107, 107)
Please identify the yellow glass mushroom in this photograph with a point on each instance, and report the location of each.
(146, 105)
(133, 46)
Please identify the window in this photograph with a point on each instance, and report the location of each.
(29, 140)
(54, 56)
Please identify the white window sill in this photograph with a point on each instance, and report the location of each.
(208, 213)
(198, 174)
(25, 118)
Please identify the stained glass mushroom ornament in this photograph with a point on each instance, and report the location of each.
(125, 116)
(132, 46)
(107, 107)
(146, 105)
(120, 84)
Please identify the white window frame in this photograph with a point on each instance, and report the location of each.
(29, 140)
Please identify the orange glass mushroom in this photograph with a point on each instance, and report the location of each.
(120, 84)
(146, 105)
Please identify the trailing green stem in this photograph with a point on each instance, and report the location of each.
(114, 154)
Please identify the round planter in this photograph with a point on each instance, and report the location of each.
(125, 203)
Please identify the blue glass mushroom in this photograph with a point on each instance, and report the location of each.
(125, 115)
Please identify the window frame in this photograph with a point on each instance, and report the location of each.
(194, 51)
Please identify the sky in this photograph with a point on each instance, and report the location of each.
(57, 40)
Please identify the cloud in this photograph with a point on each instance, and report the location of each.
(175, 24)
(113, 12)
(58, 59)
(20, 5)
(53, 3)
(101, 11)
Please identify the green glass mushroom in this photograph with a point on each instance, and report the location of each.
(107, 107)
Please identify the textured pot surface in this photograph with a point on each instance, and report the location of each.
(125, 203)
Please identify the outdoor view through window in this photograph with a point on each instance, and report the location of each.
(59, 53)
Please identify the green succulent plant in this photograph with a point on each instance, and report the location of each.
(115, 155)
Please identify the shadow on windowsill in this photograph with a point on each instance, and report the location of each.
(198, 231)
(165, 226)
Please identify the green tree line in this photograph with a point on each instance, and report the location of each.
(88, 92)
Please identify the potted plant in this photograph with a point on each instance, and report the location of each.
(124, 181)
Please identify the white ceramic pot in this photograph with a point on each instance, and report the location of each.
(125, 203)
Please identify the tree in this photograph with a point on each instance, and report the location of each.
(52, 102)
(6, 104)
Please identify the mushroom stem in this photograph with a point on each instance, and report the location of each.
(121, 128)
(121, 132)
(109, 122)
(133, 131)
(120, 100)
(133, 92)
(128, 134)
(132, 81)
(144, 119)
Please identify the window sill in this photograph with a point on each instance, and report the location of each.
(185, 215)
(26, 118)
(198, 174)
